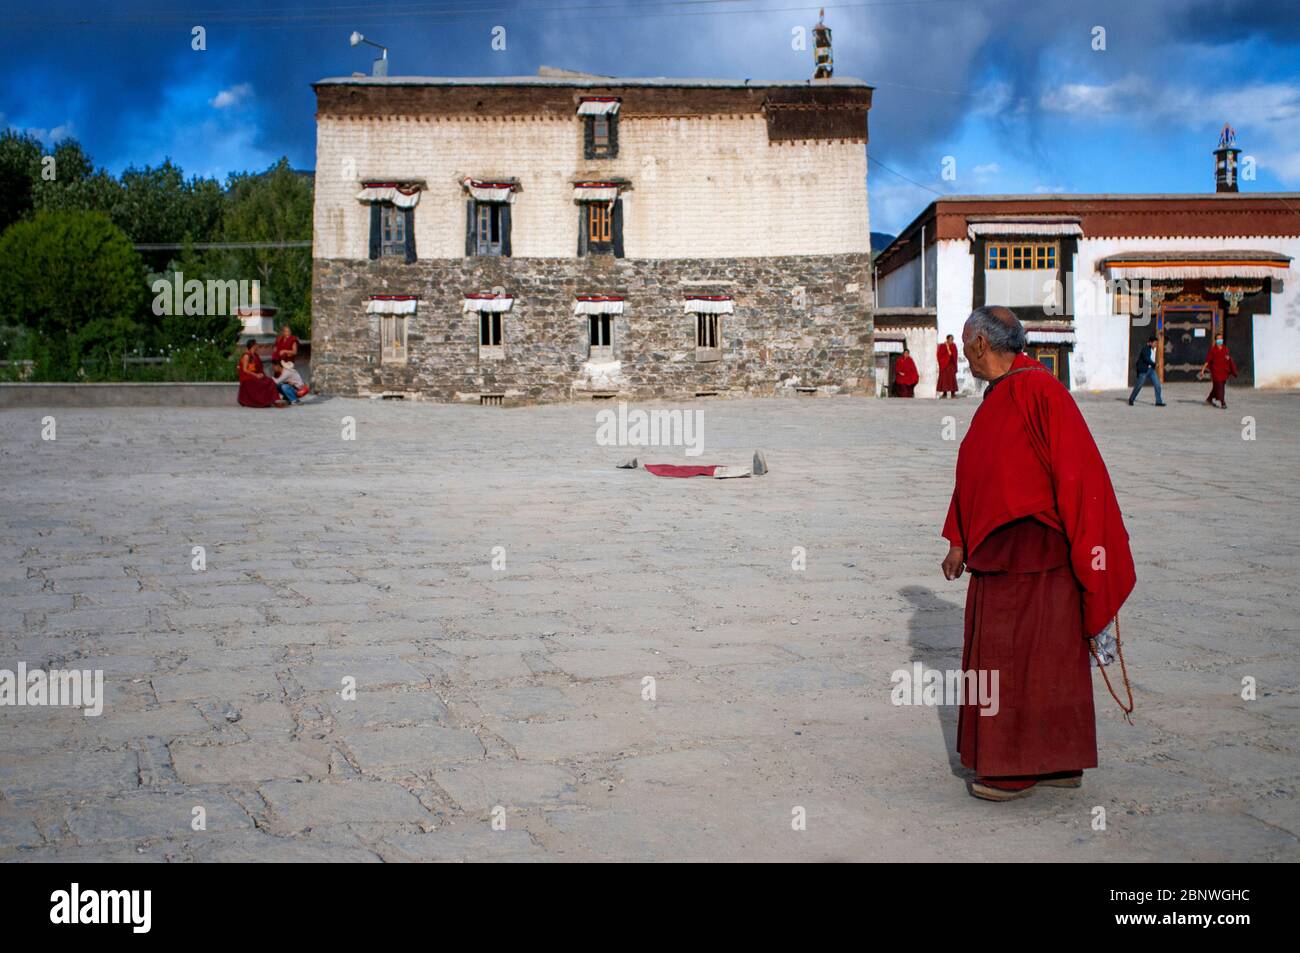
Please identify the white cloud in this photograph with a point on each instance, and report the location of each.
(232, 96)
(989, 168)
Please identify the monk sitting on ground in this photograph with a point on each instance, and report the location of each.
(1035, 520)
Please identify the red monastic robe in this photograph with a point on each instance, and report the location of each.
(1221, 364)
(905, 372)
(947, 368)
(285, 347)
(1031, 485)
(255, 391)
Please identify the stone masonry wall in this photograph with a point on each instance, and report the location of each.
(777, 340)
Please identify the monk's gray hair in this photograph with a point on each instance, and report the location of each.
(1000, 327)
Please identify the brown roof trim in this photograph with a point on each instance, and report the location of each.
(1226, 214)
(425, 101)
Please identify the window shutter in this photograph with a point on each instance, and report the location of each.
(410, 234)
(618, 228)
(613, 135)
(588, 137)
(582, 230)
(471, 227)
(505, 230)
(376, 229)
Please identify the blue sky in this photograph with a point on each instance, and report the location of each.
(1012, 90)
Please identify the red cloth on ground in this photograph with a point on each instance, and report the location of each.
(1221, 364)
(285, 347)
(947, 368)
(1024, 620)
(669, 470)
(905, 372)
(255, 391)
(1028, 452)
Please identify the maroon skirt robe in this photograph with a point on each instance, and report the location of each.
(1024, 620)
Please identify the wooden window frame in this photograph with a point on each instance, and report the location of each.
(491, 324)
(392, 224)
(600, 225)
(708, 336)
(393, 353)
(489, 214)
(600, 150)
(600, 337)
(1021, 256)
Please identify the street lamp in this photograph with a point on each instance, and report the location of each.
(380, 66)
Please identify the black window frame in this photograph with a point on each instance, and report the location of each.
(498, 211)
(590, 148)
(382, 247)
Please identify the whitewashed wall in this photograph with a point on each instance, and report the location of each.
(710, 187)
(1101, 358)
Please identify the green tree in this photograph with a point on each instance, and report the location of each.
(275, 206)
(73, 279)
(75, 183)
(20, 158)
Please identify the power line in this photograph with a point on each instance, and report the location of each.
(207, 246)
(876, 161)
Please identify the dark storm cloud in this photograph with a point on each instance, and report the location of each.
(113, 70)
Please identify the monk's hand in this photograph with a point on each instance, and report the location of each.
(954, 563)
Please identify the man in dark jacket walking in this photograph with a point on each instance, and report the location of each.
(1146, 372)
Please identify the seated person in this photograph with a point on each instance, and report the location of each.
(288, 380)
(286, 345)
(255, 388)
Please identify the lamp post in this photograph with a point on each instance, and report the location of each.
(380, 66)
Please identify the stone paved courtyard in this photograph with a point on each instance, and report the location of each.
(522, 687)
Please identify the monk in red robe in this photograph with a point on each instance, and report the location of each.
(286, 345)
(1035, 520)
(905, 375)
(947, 368)
(1221, 366)
(255, 388)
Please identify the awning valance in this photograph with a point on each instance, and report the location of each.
(709, 304)
(403, 196)
(598, 304)
(1030, 227)
(489, 303)
(889, 347)
(598, 106)
(1228, 263)
(1049, 337)
(490, 191)
(391, 304)
(595, 191)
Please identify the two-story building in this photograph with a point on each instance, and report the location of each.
(1093, 276)
(557, 236)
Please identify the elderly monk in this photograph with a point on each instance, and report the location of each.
(906, 375)
(947, 355)
(1035, 520)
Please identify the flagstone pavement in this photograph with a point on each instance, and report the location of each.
(501, 596)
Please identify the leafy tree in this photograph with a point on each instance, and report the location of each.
(73, 278)
(20, 158)
(75, 184)
(275, 206)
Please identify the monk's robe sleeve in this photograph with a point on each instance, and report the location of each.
(1085, 501)
(952, 526)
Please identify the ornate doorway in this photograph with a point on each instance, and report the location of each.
(1186, 331)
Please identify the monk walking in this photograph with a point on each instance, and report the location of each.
(1221, 366)
(1035, 520)
(905, 375)
(947, 369)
